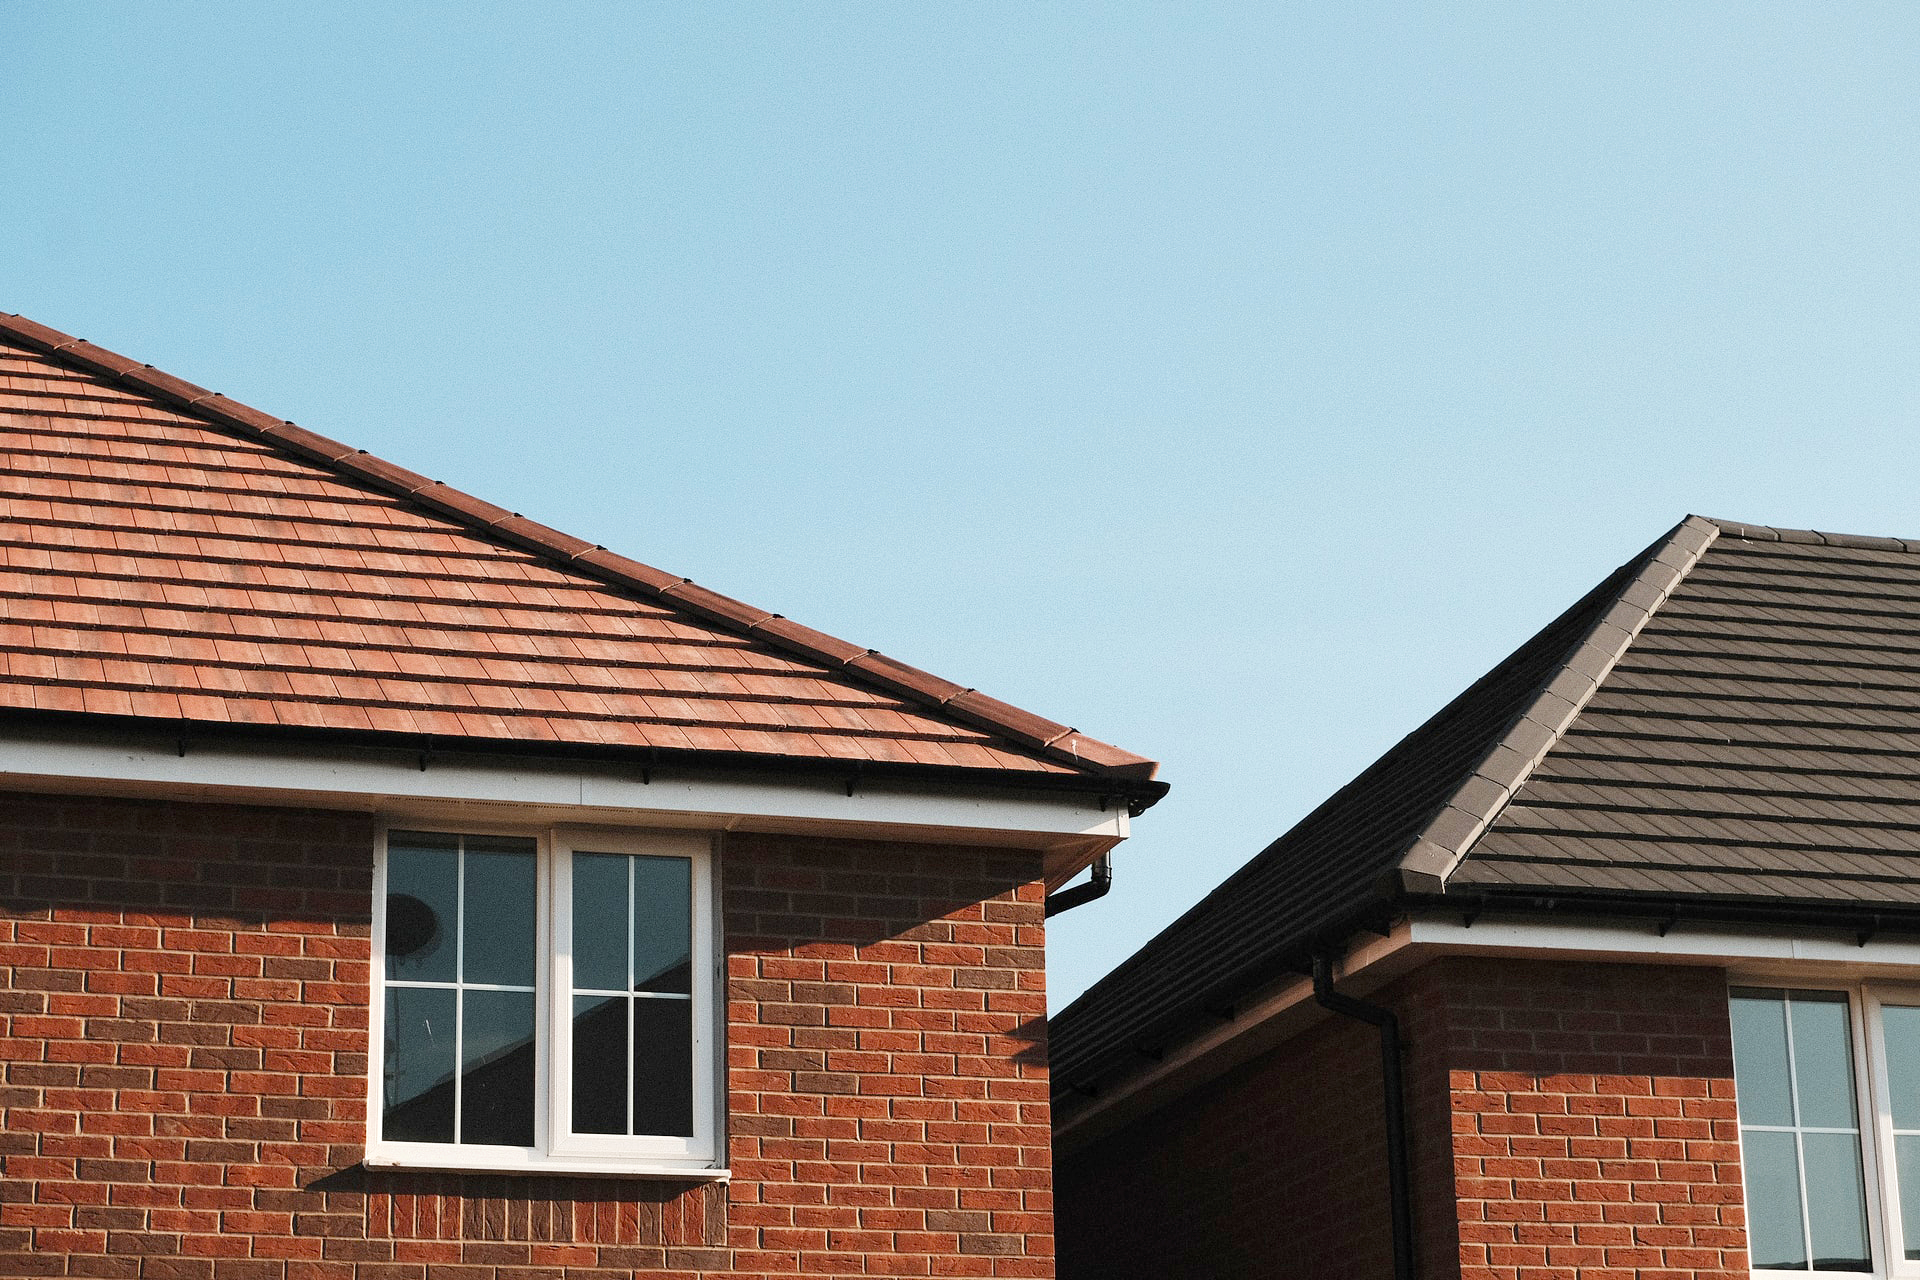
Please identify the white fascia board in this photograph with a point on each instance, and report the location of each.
(1745, 950)
(372, 780)
(1262, 1022)
(1748, 954)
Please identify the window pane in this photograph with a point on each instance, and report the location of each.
(422, 881)
(1836, 1201)
(600, 1064)
(662, 940)
(1774, 1230)
(500, 911)
(1902, 1027)
(1761, 1082)
(1823, 1061)
(418, 1093)
(496, 1070)
(600, 922)
(663, 1067)
(1906, 1159)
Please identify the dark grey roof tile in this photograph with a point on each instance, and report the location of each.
(1753, 744)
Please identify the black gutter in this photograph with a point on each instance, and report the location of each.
(1111, 1053)
(1138, 794)
(1399, 1171)
(1666, 910)
(1080, 894)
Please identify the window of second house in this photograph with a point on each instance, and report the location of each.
(1828, 1086)
(545, 1001)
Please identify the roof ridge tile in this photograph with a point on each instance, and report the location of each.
(1440, 847)
(1770, 533)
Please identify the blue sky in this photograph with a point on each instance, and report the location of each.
(1234, 382)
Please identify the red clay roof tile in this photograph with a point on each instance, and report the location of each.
(168, 553)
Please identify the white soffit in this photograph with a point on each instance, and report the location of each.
(408, 782)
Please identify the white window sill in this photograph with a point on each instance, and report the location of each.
(455, 1162)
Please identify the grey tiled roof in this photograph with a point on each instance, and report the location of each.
(1729, 722)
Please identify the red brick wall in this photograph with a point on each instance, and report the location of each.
(1277, 1169)
(1226, 1183)
(1594, 1125)
(1568, 1122)
(183, 1016)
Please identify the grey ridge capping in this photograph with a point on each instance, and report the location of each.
(1727, 727)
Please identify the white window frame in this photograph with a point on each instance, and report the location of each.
(1874, 1114)
(556, 1149)
(1873, 996)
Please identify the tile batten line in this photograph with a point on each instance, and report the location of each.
(1441, 846)
(1021, 729)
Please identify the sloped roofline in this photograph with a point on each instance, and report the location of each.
(1046, 738)
(1439, 848)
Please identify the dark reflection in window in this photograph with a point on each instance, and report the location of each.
(500, 912)
(496, 1074)
(418, 1100)
(600, 1064)
(663, 1067)
(600, 922)
(423, 877)
(663, 922)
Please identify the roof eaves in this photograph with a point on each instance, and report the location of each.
(1435, 853)
(1046, 738)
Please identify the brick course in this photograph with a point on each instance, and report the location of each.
(183, 1029)
(1568, 1122)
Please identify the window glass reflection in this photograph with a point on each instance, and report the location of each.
(419, 1051)
(1776, 1232)
(1836, 1201)
(500, 910)
(1901, 1027)
(600, 926)
(496, 1068)
(663, 926)
(1762, 1081)
(663, 1067)
(600, 1064)
(423, 880)
(1823, 1060)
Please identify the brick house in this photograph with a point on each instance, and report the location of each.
(1482, 1013)
(392, 887)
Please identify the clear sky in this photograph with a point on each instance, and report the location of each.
(1234, 382)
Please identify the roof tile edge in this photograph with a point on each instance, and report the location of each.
(1768, 533)
(1046, 738)
(1439, 849)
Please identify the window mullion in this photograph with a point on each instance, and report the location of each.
(1799, 1134)
(633, 1050)
(459, 979)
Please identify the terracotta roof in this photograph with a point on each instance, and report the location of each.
(170, 554)
(1728, 726)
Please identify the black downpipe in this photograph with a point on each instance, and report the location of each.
(1399, 1175)
(1068, 899)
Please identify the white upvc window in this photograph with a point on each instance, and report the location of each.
(1828, 1085)
(544, 1001)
